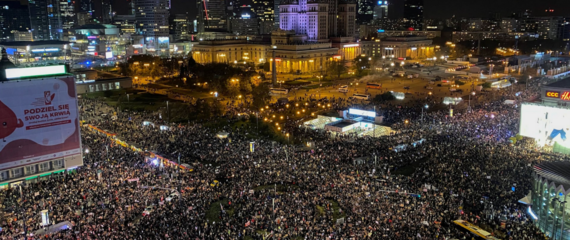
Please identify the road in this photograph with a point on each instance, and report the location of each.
(417, 87)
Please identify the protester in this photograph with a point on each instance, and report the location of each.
(465, 169)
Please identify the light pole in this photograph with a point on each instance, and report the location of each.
(472, 93)
(168, 111)
(426, 107)
(274, 70)
(561, 204)
(287, 134)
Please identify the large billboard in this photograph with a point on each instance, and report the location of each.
(38, 121)
(547, 125)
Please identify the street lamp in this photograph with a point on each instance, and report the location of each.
(287, 134)
(562, 204)
(472, 93)
(426, 107)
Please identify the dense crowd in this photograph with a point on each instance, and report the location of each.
(339, 188)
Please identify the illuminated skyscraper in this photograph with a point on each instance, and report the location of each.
(381, 10)
(365, 11)
(212, 15)
(318, 20)
(152, 22)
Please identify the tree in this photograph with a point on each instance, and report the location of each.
(156, 71)
(359, 64)
(191, 61)
(337, 67)
(245, 86)
(387, 96)
(260, 95)
(232, 88)
(266, 67)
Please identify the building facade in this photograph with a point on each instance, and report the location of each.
(550, 191)
(381, 10)
(23, 36)
(265, 12)
(67, 14)
(13, 16)
(125, 23)
(292, 52)
(366, 10)
(39, 19)
(37, 52)
(409, 47)
(247, 26)
(180, 27)
(346, 20)
(229, 51)
(320, 19)
(212, 15)
(152, 22)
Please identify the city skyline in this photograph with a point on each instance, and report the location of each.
(432, 8)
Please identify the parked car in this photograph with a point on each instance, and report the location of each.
(360, 96)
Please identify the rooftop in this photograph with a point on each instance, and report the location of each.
(96, 26)
(558, 172)
(342, 124)
(564, 83)
(34, 43)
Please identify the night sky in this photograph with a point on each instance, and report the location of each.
(433, 8)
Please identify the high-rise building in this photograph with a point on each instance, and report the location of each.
(381, 10)
(365, 11)
(346, 19)
(40, 24)
(304, 18)
(565, 30)
(152, 23)
(264, 11)
(245, 25)
(180, 26)
(548, 27)
(14, 16)
(318, 20)
(125, 23)
(84, 18)
(106, 11)
(414, 13)
(55, 25)
(212, 15)
(67, 14)
(276, 18)
(85, 5)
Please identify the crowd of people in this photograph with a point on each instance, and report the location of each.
(338, 188)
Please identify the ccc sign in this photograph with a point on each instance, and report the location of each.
(552, 94)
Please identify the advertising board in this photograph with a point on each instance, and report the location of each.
(38, 121)
(547, 125)
(361, 112)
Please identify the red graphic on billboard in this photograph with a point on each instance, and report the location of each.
(9, 121)
(48, 97)
(39, 121)
(565, 96)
